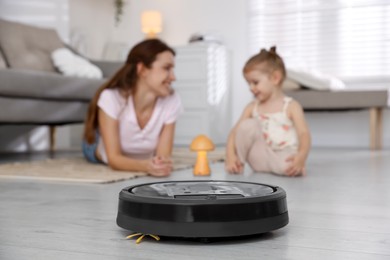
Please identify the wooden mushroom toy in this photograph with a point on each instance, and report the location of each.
(202, 144)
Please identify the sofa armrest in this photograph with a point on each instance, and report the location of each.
(108, 67)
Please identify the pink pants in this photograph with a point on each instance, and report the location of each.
(251, 148)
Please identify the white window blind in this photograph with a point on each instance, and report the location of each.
(349, 39)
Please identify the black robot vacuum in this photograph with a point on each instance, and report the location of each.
(202, 209)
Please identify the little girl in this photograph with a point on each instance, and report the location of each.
(272, 134)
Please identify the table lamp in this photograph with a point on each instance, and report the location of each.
(151, 22)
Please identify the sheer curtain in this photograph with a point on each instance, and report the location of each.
(349, 39)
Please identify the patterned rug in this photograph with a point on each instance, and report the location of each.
(77, 169)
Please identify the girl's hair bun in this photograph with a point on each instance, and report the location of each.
(263, 51)
(272, 50)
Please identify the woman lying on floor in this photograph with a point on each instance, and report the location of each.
(131, 119)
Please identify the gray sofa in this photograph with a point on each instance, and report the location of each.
(32, 91)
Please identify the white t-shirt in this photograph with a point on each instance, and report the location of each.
(136, 142)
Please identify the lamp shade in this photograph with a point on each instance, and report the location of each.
(151, 22)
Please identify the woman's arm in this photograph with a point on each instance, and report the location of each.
(109, 130)
(165, 142)
(164, 147)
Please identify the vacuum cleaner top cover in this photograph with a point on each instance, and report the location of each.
(202, 208)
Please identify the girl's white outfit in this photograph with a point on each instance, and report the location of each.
(266, 140)
(136, 142)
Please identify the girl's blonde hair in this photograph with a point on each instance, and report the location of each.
(125, 79)
(267, 61)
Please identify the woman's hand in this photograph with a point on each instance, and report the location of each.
(296, 165)
(234, 165)
(159, 166)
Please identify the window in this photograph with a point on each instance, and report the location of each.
(349, 39)
(43, 13)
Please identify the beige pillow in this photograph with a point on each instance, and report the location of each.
(290, 84)
(28, 47)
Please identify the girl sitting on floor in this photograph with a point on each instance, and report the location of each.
(272, 134)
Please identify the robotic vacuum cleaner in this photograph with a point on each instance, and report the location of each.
(202, 209)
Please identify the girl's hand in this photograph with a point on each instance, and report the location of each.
(159, 166)
(234, 165)
(297, 165)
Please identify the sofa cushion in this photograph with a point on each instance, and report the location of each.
(28, 47)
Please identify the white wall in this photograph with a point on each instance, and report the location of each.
(92, 21)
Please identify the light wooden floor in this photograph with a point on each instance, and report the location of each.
(341, 210)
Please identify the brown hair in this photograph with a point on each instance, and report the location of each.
(271, 60)
(124, 79)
